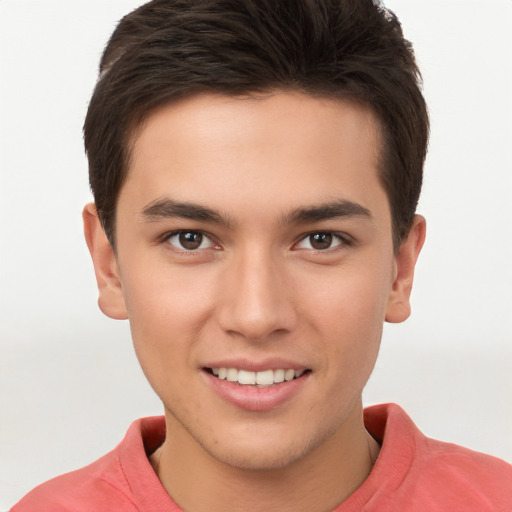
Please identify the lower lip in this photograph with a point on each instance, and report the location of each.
(253, 398)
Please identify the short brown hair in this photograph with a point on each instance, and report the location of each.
(348, 49)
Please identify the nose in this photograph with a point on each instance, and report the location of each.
(256, 300)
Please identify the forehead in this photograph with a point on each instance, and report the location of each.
(286, 147)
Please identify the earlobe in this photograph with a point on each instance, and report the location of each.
(399, 307)
(111, 298)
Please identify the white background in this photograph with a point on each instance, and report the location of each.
(69, 382)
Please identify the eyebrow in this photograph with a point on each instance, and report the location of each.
(326, 211)
(168, 208)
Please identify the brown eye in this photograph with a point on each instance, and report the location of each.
(320, 241)
(189, 240)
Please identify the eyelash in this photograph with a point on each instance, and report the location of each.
(343, 240)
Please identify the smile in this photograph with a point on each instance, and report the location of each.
(261, 379)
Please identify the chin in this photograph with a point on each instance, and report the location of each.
(266, 452)
(258, 460)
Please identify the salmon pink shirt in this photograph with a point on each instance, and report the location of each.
(413, 473)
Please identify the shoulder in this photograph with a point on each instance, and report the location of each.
(463, 477)
(429, 474)
(98, 487)
(110, 483)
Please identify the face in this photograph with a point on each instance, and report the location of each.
(255, 264)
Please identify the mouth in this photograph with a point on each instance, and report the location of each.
(261, 379)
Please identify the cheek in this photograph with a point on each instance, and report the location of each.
(349, 300)
(165, 298)
(349, 317)
(166, 313)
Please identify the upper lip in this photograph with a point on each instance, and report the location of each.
(257, 366)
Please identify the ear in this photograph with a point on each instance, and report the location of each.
(111, 298)
(399, 306)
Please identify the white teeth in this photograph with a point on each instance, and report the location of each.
(289, 374)
(265, 378)
(262, 379)
(232, 374)
(245, 377)
(278, 376)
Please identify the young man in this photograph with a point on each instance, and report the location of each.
(256, 167)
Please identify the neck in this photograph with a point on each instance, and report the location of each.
(319, 481)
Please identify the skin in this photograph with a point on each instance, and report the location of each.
(258, 287)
